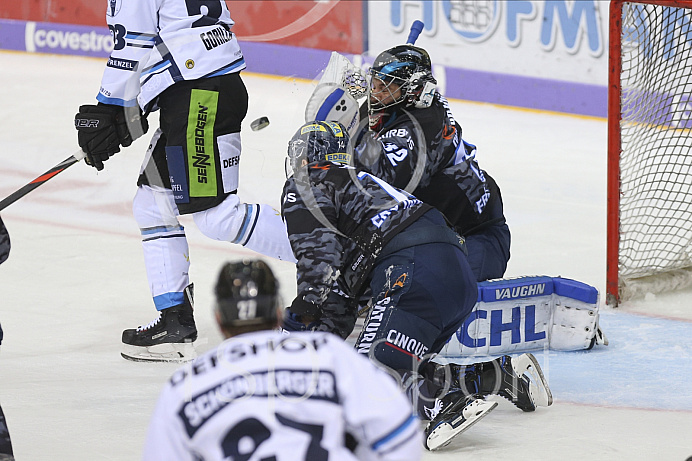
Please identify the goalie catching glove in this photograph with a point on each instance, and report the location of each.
(103, 128)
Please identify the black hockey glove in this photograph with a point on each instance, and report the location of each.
(103, 128)
(305, 309)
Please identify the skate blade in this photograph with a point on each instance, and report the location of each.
(443, 434)
(526, 364)
(168, 352)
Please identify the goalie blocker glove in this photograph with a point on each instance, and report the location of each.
(103, 128)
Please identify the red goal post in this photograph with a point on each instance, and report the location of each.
(649, 211)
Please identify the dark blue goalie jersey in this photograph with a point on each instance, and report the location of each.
(422, 151)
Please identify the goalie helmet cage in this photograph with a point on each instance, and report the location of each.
(649, 241)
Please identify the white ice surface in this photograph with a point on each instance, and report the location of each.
(75, 279)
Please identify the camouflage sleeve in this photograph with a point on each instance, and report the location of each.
(311, 222)
(402, 156)
(389, 159)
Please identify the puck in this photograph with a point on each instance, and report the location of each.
(260, 123)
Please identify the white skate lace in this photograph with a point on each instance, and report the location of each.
(150, 324)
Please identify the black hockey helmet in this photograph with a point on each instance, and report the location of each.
(247, 293)
(319, 141)
(410, 68)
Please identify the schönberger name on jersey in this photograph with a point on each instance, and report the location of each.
(282, 383)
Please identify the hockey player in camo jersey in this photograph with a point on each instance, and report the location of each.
(412, 129)
(412, 140)
(356, 236)
(265, 395)
(179, 57)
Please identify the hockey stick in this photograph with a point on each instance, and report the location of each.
(416, 29)
(4, 242)
(68, 162)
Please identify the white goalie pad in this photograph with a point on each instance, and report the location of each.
(331, 102)
(336, 96)
(526, 314)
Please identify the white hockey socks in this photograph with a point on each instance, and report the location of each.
(166, 253)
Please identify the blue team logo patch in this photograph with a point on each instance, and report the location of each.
(114, 7)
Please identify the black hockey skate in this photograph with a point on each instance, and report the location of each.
(456, 412)
(519, 380)
(168, 338)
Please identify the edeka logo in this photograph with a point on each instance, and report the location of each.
(498, 325)
(64, 39)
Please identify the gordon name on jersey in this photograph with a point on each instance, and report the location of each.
(157, 43)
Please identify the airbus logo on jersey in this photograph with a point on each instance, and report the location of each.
(396, 133)
(216, 37)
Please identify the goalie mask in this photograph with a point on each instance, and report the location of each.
(401, 75)
(247, 293)
(318, 141)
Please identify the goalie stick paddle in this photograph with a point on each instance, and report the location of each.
(62, 166)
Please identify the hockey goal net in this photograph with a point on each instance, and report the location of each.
(649, 246)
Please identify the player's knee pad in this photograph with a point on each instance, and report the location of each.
(396, 338)
(154, 207)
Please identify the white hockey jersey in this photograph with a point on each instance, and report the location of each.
(159, 42)
(272, 396)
